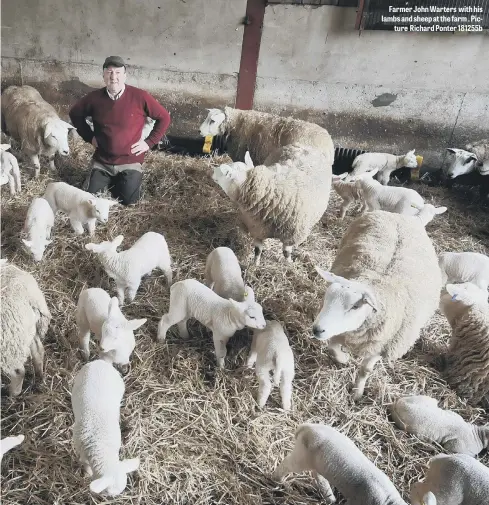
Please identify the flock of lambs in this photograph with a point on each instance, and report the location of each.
(378, 298)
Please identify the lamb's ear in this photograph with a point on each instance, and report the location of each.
(451, 150)
(48, 241)
(112, 202)
(371, 173)
(4, 147)
(48, 130)
(92, 202)
(369, 299)
(452, 290)
(248, 161)
(429, 499)
(28, 243)
(91, 247)
(412, 151)
(440, 210)
(129, 465)
(99, 485)
(118, 240)
(249, 294)
(329, 277)
(67, 125)
(134, 324)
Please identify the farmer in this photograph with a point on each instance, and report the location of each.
(118, 113)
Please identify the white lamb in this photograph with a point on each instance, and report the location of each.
(428, 212)
(457, 479)
(95, 398)
(96, 312)
(35, 124)
(38, 224)
(224, 317)
(25, 319)
(336, 461)
(348, 191)
(385, 163)
(271, 351)
(128, 267)
(8, 443)
(223, 274)
(421, 416)
(9, 170)
(376, 272)
(81, 207)
(460, 267)
(462, 162)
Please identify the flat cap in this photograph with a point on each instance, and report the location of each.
(114, 61)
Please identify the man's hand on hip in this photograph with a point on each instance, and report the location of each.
(94, 142)
(139, 147)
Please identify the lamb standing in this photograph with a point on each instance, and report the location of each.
(98, 313)
(95, 398)
(270, 350)
(223, 274)
(385, 163)
(25, 319)
(380, 293)
(348, 191)
(461, 267)
(283, 200)
(38, 224)
(467, 361)
(421, 416)
(9, 170)
(81, 207)
(457, 479)
(128, 267)
(190, 298)
(34, 123)
(261, 133)
(336, 461)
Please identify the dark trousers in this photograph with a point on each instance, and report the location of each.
(124, 185)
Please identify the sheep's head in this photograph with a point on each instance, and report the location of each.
(346, 306)
(37, 247)
(232, 175)
(249, 312)
(56, 135)
(4, 147)
(462, 162)
(214, 123)
(410, 160)
(105, 247)
(114, 483)
(100, 207)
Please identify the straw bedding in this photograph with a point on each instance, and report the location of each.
(198, 431)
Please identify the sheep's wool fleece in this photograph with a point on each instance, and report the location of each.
(467, 365)
(261, 133)
(26, 113)
(480, 149)
(286, 200)
(393, 255)
(24, 314)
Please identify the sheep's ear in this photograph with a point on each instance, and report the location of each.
(112, 202)
(28, 243)
(99, 485)
(48, 241)
(234, 302)
(343, 175)
(118, 240)
(329, 277)
(451, 150)
(372, 172)
(452, 290)
(4, 147)
(369, 299)
(67, 125)
(429, 499)
(48, 130)
(91, 247)
(92, 202)
(440, 210)
(248, 161)
(412, 151)
(134, 324)
(129, 465)
(249, 294)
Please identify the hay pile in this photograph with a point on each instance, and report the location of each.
(199, 434)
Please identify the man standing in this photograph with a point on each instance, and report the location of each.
(118, 113)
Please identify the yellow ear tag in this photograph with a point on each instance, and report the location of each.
(206, 148)
(415, 171)
(245, 294)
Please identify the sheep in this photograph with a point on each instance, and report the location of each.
(460, 267)
(223, 274)
(283, 200)
(385, 163)
(9, 170)
(481, 150)
(261, 133)
(348, 191)
(380, 293)
(98, 313)
(336, 461)
(128, 267)
(270, 350)
(95, 398)
(467, 360)
(8, 443)
(25, 318)
(421, 416)
(81, 207)
(38, 224)
(34, 123)
(224, 317)
(456, 479)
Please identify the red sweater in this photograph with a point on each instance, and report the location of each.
(118, 123)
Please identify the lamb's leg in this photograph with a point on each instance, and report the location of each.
(91, 226)
(366, 369)
(37, 356)
(220, 342)
(52, 166)
(182, 329)
(77, 226)
(176, 314)
(132, 289)
(264, 385)
(344, 207)
(168, 274)
(16, 175)
(286, 389)
(16, 381)
(84, 338)
(48, 232)
(258, 251)
(337, 353)
(120, 289)
(37, 165)
(11, 184)
(251, 360)
(287, 250)
(325, 488)
(295, 462)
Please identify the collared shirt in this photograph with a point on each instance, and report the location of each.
(117, 95)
